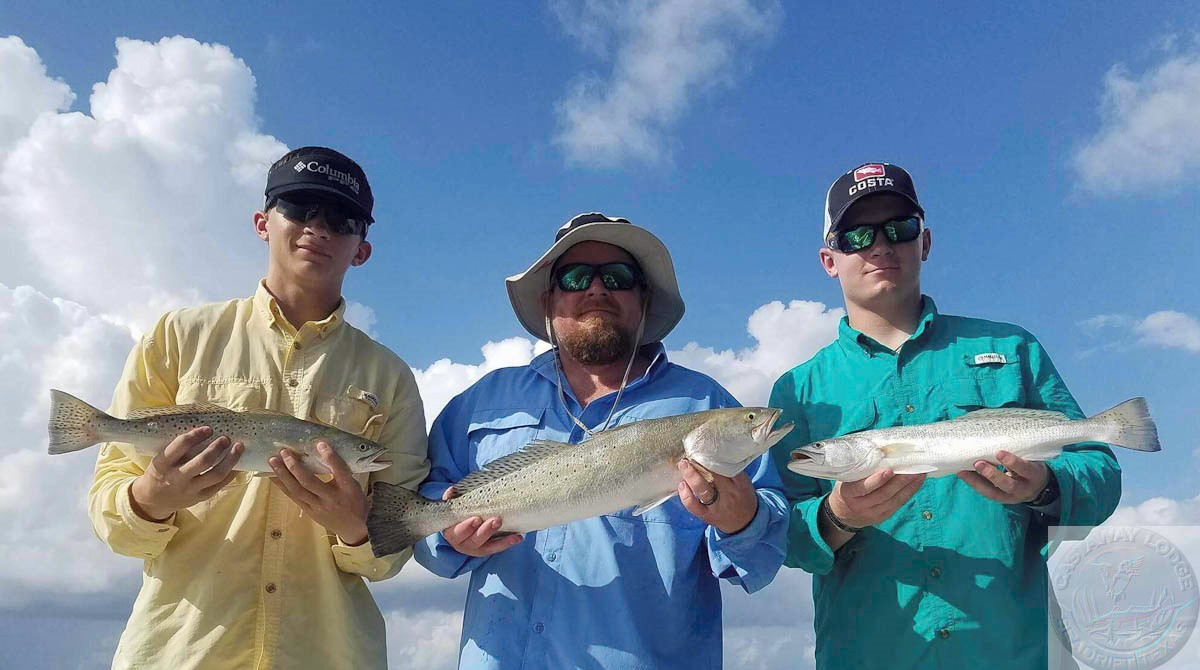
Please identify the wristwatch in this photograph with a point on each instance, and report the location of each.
(832, 518)
(1048, 494)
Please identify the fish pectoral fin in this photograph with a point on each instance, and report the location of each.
(915, 469)
(897, 449)
(646, 507)
(704, 472)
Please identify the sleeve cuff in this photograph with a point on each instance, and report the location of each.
(361, 560)
(750, 535)
(156, 535)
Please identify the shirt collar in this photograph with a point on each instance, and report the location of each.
(268, 308)
(543, 364)
(855, 341)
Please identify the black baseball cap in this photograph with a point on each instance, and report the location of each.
(324, 171)
(866, 179)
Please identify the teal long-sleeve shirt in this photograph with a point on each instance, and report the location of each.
(952, 580)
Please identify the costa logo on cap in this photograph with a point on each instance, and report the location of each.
(868, 171)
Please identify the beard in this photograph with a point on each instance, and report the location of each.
(596, 341)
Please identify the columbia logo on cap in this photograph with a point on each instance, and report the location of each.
(299, 167)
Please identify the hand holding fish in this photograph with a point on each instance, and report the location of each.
(727, 503)
(873, 500)
(184, 473)
(474, 536)
(339, 505)
(1020, 482)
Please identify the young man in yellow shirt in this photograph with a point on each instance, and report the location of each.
(245, 572)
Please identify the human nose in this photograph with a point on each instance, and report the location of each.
(881, 245)
(316, 225)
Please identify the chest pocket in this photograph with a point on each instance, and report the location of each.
(355, 411)
(826, 421)
(989, 383)
(493, 433)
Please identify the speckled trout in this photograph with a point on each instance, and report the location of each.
(551, 483)
(947, 447)
(76, 425)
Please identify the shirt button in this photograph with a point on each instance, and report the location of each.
(927, 515)
(537, 628)
(293, 383)
(277, 533)
(910, 409)
(943, 633)
(551, 556)
(270, 587)
(936, 572)
(295, 345)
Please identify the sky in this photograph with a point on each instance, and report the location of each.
(1051, 147)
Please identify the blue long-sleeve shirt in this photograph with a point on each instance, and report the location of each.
(952, 579)
(615, 591)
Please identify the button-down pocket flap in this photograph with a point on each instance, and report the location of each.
(501, 419)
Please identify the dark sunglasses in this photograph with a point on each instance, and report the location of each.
(337, 219)
(862, 237)
(616, 276)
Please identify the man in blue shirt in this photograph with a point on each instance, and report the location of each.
(908, 573)
(616, 591)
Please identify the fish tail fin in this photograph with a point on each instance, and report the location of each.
(74, 424)
(399, 518)
(1130, 426)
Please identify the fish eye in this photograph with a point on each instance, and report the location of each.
(362, 447)
(750, 416)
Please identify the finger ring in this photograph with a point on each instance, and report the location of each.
(715, 494)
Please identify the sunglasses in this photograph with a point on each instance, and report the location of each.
(337, 219)
(575, 277)
(862, 237)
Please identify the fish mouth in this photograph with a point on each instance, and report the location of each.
(763, 433)
(372, 463)
(804, 456)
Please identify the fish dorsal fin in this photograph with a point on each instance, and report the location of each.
(532, 453)
(647, 506)
(173, 410)
(267, 412)
(1014, 413)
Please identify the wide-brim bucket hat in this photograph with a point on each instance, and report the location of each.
(666, 305)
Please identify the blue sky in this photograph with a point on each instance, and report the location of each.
(1053, 196)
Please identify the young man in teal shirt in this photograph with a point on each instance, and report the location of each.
(907, 572)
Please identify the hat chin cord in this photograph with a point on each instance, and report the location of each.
(562, 398)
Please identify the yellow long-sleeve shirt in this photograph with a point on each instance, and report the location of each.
(242, 580)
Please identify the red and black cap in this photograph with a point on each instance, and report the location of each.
(866, 179)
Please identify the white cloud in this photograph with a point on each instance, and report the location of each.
(1170, 330)
(1149, 139)
(666, 52)
(361, 317)
(51, 553)
(445, 379)
(1166, 329)
(785, 336)
(28, 91)
(423, 640)
(132, 209)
